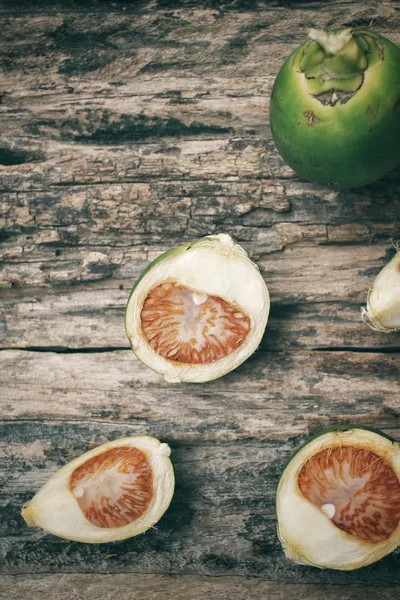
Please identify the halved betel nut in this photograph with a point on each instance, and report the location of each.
(198, 311)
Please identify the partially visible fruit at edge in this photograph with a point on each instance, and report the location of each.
(335, 108)
(338, 500)
(383, 303)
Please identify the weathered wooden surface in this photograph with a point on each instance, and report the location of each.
(275, 395)
(221, 520)
(125, 129)
(169, 587)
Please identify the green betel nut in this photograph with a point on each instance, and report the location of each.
(335, 108)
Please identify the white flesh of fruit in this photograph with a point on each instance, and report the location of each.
(307, 532)
(383, 306)
(213, 267)
(56, 507)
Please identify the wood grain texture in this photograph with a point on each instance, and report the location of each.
(170, 587)
(272, 396)
(221, 520)
(90, 318)
(127, 128)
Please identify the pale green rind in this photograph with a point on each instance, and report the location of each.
(163, 256)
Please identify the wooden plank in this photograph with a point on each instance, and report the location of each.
(328, 270)
(171, 587)
(176, 158)
(103, 6)
(220, 522)
(191, 83)
(100, 211)
(272, 396)
(267, 216)
(316, 297)
(80, 237)
(201, 42)
(93, 318)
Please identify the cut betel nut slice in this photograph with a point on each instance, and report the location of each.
(198, 311)
(113, 492)
(338, 500)
(383, 304)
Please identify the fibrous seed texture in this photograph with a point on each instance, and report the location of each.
(114, 488)
(356, 489)
(187, 326)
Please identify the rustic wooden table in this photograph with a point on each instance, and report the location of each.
(127, 128)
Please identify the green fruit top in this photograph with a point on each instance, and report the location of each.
(335, 64)
(335, 108)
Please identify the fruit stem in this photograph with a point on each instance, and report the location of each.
(331, 42)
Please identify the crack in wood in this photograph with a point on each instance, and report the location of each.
(104, 349)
